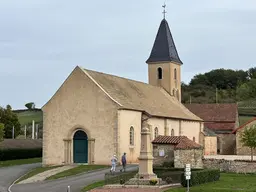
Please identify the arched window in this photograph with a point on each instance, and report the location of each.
(156, 132)
(160, 73)
(172, 132)
(131, 136)
(173, 92)
(194, 139)
(175, 73)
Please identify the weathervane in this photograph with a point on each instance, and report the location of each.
(164, 12)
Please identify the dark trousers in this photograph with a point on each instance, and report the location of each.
(124, 166)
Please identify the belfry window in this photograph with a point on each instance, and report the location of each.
(172, 132)
(160, 73)
(175, 74)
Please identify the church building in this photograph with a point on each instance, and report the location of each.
(94, 115)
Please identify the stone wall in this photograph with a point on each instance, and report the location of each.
(237, 166)
(192, 156)
(168, 155)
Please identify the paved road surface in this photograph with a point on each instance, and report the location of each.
(10, 174)
(76, 183)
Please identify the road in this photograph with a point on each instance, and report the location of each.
(76, 183)
(10, 174)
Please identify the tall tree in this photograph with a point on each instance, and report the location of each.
(248, 138)
(30, 105)
(10, 120)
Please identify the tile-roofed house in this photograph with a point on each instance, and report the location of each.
(222, 118)
(94, 115)
(218, 117)
(240, 149)
(177, 149)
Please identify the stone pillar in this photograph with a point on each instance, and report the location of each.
(91, 144)
(146, 157)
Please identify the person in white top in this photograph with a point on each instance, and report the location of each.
(113, 163)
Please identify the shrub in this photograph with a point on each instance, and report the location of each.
(200, 177)
(153, 182)
(168, 164)
(122, 181)
(13, 154)
(168, 180)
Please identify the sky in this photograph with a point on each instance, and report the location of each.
(42, 41)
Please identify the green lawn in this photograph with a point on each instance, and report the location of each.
(93, 186)
(77, 170)
(228, 183)
(35, 171)
(20, 162)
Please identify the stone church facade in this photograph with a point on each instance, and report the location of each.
(94, 115)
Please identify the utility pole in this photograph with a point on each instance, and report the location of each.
(216, 95)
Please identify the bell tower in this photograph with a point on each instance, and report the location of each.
(164, 64)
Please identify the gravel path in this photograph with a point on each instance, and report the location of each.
(42, 176)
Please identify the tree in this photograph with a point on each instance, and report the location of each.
(1, 132)
(30, 105)
(252, 73)
(9, 119)
(248, 138)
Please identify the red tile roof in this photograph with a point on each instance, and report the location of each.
(180, 142)
(244, 125)
(214, 111)
(220, 126)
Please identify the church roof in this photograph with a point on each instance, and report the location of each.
(164, 48)
(135, 95)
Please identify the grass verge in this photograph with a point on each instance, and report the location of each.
(93, 186)
(228, 182)
(36, 171)
(77, 170)
(20, 162)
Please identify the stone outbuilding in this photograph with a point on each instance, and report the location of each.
(222, 119)
(177, 149)
(240, 149)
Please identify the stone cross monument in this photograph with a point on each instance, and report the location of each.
(146, 157)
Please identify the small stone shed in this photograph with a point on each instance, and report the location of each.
(177, 149)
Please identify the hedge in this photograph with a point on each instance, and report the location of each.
(200, 177)
(13, 154)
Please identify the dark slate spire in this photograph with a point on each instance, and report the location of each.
(164, 48)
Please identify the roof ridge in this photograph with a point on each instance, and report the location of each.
(125, 78)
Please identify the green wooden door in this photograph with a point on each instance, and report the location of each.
(80, 150)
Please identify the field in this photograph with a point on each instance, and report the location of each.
(26, 117)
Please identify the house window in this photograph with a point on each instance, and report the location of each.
(160, 73)
(156, 132)
(131, 136)
(172, 132)
(194, 139)
(175, 74)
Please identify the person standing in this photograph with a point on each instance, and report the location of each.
(124, 162)
(113, 163)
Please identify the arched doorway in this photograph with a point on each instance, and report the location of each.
(80, 147)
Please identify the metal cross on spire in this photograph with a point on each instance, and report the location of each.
(164, 12)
